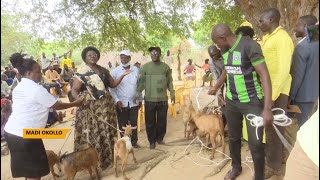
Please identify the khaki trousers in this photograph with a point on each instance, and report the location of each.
(299, 165)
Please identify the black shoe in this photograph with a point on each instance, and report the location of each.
(153, 146)
(161, 142)
(136, 145)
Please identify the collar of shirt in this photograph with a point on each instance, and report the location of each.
(126, 68)
(267, 36)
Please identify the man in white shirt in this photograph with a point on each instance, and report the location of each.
(45, 63)
(124, 95)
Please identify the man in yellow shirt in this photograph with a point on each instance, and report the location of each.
(277, 47)
(66, 61)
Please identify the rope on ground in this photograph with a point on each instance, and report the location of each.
(278, 119)
(214, 162)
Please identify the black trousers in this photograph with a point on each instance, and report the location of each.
(274, 146)
(128, 115)
(234, 113)
(156, 120)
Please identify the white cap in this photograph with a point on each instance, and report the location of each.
(125, 52)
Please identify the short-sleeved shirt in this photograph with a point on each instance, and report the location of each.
(66, 61)
(277, 48)
(243, 83)
(30, 107)
(45, 63)
(51, 75)
(205, 67)
(189, 68)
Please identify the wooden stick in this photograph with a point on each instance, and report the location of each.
(152, 164)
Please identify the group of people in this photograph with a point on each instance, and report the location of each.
(258, 78)
(104, 99)
(266, 75)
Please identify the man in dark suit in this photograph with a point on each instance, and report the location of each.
(305, 70)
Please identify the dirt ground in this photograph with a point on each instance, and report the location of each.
(169, 160)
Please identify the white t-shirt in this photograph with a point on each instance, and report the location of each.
(30, 107)
(308, 137)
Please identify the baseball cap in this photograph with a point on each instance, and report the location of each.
(125, 52)
(154, 48)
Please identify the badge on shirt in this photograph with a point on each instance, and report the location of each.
(236, 58)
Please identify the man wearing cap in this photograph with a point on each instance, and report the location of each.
(124, 95)
(155, 79)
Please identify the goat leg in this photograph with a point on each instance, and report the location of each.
(96, 170)
(213, 143)
(222, 141)
(124, 166)
(90, 172)
(134, 158)
(207, 140)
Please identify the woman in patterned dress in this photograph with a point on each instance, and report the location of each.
(99, 107)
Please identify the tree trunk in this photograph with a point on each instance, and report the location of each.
(290, 11)
(179, 63)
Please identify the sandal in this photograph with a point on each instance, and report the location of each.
(232, 174)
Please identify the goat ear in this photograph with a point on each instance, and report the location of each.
(123, 127)
(135, 127)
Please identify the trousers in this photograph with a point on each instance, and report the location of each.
(235, 111)
(128, 116)
(156, 120)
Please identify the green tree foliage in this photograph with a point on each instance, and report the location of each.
(216, 11)
(12, 38)
(114, 24)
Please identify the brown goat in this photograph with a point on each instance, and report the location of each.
(122, 148)
(52, 160)
(186, 118)
(211, 124)
(78, 161)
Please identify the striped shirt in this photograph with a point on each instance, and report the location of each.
(243, 83)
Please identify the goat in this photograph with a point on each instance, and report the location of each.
(52, 160)
(122, 148)
(80, 160)
(211, 124)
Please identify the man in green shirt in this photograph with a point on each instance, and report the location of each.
(247, 78)
(155, 79)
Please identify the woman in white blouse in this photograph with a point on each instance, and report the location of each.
(30, 108)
